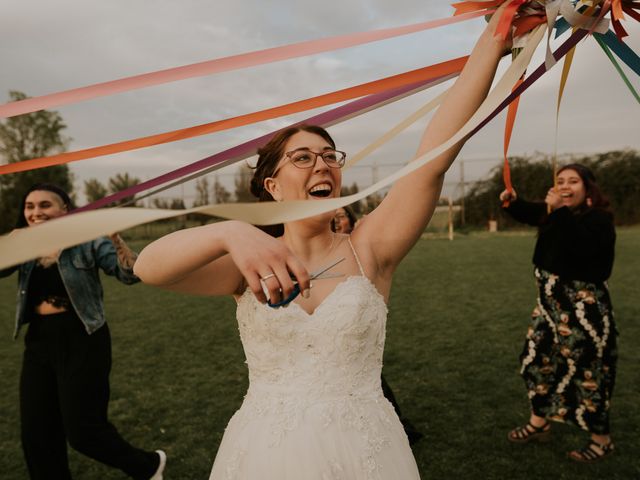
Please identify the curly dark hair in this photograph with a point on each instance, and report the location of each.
(351, 215)
(592, 191)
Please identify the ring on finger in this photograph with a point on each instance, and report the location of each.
(266, 277)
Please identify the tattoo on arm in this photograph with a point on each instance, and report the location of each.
(126, 256)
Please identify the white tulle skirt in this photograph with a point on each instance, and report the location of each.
(271, 438)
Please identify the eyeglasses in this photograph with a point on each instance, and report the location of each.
(304, 158)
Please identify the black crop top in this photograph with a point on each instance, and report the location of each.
(46, 285)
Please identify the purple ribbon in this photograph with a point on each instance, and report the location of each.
(244, 150)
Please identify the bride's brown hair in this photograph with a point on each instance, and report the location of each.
(268, 158)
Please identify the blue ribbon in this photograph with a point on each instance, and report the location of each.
(622, 50)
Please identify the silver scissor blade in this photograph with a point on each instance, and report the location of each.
(319, 272)
(325, 276)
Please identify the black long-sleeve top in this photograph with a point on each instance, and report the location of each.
(576, 245)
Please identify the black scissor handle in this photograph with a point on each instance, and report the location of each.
(288, 300)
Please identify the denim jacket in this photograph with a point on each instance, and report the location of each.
(79, 271)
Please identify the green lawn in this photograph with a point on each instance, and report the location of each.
(458, 313)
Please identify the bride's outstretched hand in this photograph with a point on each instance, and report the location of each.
(492, 27)
(263, 259)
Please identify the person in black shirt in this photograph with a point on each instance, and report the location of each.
(64, 382)
(569, 356)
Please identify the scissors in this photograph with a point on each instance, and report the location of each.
(317, 275)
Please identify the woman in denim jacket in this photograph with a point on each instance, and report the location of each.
(64, 383)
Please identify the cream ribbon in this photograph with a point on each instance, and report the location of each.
(587, 22)
(32, 242)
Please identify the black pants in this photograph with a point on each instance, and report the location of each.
(64, 396)
(412, 433)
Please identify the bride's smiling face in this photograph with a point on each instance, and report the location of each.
(303, 173)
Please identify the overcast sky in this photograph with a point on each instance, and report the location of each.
(48, 46)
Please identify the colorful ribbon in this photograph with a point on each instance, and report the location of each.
(407, 78)
(622, 50)
(72, 229)
(225, 64)
(508, 130)
(249, 148)
(618, 68)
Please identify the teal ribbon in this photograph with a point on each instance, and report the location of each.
(604, 47)
(622, 50)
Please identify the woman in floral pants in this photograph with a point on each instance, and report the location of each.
(569, 357)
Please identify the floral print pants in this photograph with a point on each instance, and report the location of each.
(569, 356)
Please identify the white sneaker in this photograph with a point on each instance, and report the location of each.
(163, 462)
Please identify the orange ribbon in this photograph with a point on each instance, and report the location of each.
(466, 7)
(504, 25)
(377, 86)
(523, 25)
(507, 20)
(508, 129)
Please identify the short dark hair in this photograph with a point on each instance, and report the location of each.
(48, 187)
(351, 215)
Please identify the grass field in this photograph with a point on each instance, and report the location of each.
(458, 313)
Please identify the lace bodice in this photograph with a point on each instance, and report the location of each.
(335, 351)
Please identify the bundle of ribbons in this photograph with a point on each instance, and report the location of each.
(521, 16)
(525, 20)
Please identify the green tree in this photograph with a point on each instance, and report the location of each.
(122, 181)
(202, 192)
(243, 182)
(372, 201)
(356, 206)
(617, 173)
(94, 190)
(169, 203)
(24, 137)
(220, 193)
(531, 178)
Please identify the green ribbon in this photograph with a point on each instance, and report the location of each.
(617, 66)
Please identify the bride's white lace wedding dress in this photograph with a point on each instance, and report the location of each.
(315, 408)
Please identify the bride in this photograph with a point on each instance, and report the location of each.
(314, 408)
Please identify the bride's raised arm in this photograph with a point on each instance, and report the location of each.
(396, 224)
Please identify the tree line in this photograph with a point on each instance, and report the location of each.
(41, 134)
(617, 173)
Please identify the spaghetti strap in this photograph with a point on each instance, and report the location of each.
(355, 255)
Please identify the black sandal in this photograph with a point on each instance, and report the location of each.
(589, 454)
(530, 433)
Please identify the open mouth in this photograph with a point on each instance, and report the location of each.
(322, 190)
